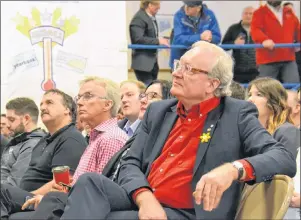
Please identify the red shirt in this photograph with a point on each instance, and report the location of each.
(265, 25)
(171, 173)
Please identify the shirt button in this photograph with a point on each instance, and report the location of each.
(189, 119)
(170, 154)
(181, 137)
(161, 170)
(201, 115)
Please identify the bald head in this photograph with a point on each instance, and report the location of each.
(247, 15)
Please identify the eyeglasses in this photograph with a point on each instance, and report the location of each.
(187, 69)
(87, 96)
(150, 96)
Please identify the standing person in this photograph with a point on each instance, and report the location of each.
(144, 30)
(245, 68)
(273, 24)
(193, 22)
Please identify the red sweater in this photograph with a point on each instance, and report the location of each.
(266, 26)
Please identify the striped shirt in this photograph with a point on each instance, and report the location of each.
(105, 140)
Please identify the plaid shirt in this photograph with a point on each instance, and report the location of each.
(105, 140)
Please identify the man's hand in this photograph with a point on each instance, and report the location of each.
(295, 202)
(149, 207)
(268, 44)
(206, 36)
(33, 201)
(240, 40)
(164, 41)
(58, 188)
(212, 185)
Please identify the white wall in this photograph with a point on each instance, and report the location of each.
(98, 42)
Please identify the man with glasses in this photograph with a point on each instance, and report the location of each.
(97, 104)
(192, 155)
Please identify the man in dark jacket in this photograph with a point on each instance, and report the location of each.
(22, 115)
(144, 30)
(245, 68)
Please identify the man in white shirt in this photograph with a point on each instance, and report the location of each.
(130, 105)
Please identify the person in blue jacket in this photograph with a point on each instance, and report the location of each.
(192, 23)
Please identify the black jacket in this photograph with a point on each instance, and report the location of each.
(244, 58)
(143, 31)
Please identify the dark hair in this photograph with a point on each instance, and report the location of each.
(165, 86)
(22, 106)
(288, 3)
(238, 91)
(68, 102)
(3, 115)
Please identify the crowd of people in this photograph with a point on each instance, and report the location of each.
(150, 148)
(270, 24)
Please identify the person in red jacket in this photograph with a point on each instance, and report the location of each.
(273, 24)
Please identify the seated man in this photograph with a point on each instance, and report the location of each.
(22, 114)
(97, 102)
(52, 205)
(63, 146)
(192, 155)
(130, 105)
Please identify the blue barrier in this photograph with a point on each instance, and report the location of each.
(224, 46)
(292, 86)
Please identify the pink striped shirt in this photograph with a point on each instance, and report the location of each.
(105, 140)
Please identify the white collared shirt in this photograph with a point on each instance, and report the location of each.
(154, 22)
(277, 12)
(131, 128)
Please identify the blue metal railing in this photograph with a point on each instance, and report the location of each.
(224, 46)
(293, 86)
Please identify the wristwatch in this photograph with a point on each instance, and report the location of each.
(240, 168)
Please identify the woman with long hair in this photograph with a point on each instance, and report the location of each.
(270, 98)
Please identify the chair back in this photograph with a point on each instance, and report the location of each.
(266, 200)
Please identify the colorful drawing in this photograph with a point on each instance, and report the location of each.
(47, 30)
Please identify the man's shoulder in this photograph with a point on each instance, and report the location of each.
(72, 133)
(163, 105)
(140, 14)
(236, 104)
(180, 13)
(261, 9)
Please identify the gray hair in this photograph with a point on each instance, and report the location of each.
(112, 90)
(222, 69)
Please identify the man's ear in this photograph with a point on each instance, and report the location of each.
(26, 119)
(108, 105)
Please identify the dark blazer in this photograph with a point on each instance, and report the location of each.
(289, 136)
(236, 134)
(122, 123)
(142, 31)
(111, 166)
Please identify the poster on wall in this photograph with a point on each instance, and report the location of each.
(47, 45)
